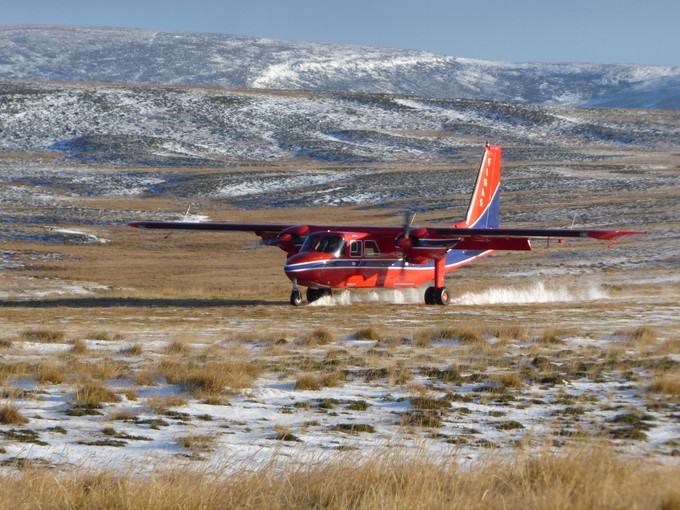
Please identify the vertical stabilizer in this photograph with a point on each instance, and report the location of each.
(484, 208)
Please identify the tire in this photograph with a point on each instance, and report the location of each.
(442, 296)
(296, 297)
(313, 294)
(429, 296)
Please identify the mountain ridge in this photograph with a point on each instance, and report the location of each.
(143, 56)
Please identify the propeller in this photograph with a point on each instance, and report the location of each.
(404, 241)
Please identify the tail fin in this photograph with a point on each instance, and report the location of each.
(484, 208)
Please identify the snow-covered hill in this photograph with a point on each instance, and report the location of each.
(182, 126)
(144, 56)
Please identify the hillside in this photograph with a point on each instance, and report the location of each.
(150, 57)
(182, 126)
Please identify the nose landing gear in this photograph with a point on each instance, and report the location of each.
(295, 295)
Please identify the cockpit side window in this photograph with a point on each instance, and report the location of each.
(329, 243)
(310, 243)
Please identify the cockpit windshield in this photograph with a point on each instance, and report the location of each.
(325, 243)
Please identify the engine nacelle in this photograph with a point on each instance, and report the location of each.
(407, 242)
(290, 240)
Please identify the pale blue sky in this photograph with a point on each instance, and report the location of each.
(602, 31)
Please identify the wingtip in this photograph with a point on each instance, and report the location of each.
(613, 235)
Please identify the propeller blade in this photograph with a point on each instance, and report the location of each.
(408, 222)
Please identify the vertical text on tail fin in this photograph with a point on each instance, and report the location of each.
(484, 208)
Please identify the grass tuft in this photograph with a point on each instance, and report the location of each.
(666, 384)
(93, 394)
(320, 336)
(420, 418)
(133, 350)
(10, 415)
(315, 382)
(177, 347)
(162, 405)
(427, 403)
(197, 442)
(643, 335)
(43, 336)
(204, 378)
(79, 347)
(367, 334)
(354, 428)
(50, 372)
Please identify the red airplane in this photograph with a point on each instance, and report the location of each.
(325, 257)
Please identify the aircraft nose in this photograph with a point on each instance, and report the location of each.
(306, 261)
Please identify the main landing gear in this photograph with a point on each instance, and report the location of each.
(314, 294)
(437, 296)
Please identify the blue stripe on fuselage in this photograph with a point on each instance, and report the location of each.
(453, 258)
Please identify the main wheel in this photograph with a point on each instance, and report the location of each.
(429, 296)
(296, 297)
(442, 296)
(313, 294)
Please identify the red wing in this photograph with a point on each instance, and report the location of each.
(208, 225)
(519, 238)
(465, 238)
(534, 233)
(268, 232)
(260, 227)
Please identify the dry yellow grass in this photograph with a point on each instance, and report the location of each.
(315, 382)
(94, 394)
(666, 384)
(213, 377)
(42, 335)
(10, 415)
(579, 479)
(161, 404)
(196, 442)
(50, 372)
(320, 336)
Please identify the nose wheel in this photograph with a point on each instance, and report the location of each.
(296, 297)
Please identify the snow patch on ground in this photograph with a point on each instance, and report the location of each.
(537, 292)
(383, 296)
(78, 234)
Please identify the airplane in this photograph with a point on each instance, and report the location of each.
(326, 257)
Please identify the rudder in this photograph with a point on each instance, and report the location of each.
(484, 208)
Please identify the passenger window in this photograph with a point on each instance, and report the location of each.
(371, 249)
(355, 248)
